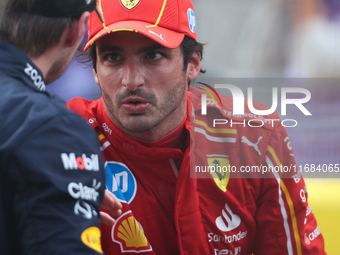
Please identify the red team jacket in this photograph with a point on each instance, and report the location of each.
(220, 205)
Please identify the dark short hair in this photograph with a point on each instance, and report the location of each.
(33, 34)
(188, 46)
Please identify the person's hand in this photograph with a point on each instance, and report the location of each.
(111, 203)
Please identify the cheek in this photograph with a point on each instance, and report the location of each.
(169, 73)
(176, 70)
(107, 88)
(107, 79)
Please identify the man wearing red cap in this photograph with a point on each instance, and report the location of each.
(153, 137)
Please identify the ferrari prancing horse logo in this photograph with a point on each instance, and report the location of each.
(129, 4)
(221, 174)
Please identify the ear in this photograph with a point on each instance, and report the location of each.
(194, 66)
(95, 76)
(76, 31)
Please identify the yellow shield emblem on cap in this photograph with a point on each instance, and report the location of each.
(129, 4)
(221, 172)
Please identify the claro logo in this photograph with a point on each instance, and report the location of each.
(71, 162)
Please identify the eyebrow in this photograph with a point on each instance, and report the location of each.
(109, 48)
(154, 47)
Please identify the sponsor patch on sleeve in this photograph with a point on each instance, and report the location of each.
(91, 238)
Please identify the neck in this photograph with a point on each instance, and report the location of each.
(44, 62)
(176, 139)
(54, 62)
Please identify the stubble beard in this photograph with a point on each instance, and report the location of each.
(57, 69)
(136, 124)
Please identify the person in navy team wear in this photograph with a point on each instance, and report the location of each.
(52, 179)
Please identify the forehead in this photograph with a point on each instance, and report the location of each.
(127, 40)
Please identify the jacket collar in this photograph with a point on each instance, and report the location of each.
(15, 63)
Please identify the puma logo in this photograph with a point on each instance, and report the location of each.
(160, 36)
(255, 145)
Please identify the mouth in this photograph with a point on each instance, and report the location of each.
(135, 105)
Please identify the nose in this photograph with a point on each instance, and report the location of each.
(132, 76)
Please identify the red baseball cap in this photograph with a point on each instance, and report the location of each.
(164, 21)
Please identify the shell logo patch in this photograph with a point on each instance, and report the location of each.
(120, 181)
(128, 233)
(221, 173)
(130, 4)
(91, 238)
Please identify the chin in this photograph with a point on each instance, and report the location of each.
(139, 126)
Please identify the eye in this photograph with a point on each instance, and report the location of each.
(112, 57)
(153, 55)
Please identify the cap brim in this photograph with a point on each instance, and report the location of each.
(163, 36)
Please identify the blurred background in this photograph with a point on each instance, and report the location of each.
(294, 40)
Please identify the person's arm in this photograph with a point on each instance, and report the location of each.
(60, 182)
(285, 222)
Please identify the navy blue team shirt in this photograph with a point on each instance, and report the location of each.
(52, 178)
